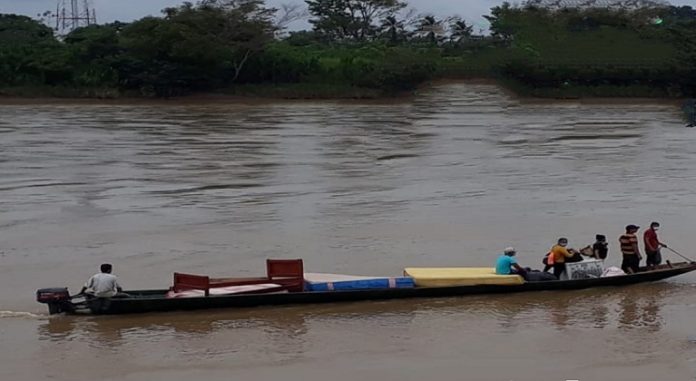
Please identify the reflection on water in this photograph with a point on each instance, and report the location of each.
(640, 314)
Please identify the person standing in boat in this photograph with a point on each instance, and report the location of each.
(507, 264)
(653, 257)
(103, 284)
(600, 248)
(558, 255)
(629, 250)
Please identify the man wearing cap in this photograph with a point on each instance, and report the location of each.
(629, 249)
(507, 264)
(653, 257)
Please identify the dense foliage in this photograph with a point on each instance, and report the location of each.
(234, 45)
(651, 48)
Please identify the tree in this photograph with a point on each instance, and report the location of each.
(30, 54)
(17, 30)
(242, 27)
(351, 19)
(94, 50)
(431, 28)
(460, 30)
(500, 28)
(287, 14)
(394, 29)
(391, 69)
(198, 46)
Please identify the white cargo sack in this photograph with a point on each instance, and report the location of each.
(612, 271)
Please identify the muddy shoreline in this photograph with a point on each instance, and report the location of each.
(220, 98)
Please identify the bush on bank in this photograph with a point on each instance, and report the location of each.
(234, 47)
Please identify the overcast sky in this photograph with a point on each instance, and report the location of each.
(127, 10)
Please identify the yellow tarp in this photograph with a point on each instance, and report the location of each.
(459, 276)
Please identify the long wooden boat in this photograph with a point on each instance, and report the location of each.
(145, 301)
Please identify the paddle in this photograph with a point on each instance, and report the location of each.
(677, 253)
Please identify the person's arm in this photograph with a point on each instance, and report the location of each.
(87, 285)
(118, 286)
(634, 241)
(566, 253)
(659, 243)
(520, 269)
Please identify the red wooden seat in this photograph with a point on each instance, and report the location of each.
(191, 282)
(288, 273)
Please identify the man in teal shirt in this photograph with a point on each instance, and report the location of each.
(507, 264)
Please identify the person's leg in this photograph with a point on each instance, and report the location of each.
(625, 264)
(547, 266)
(515, 272)
(635, 264)
(558, 269)
(658, 258)
(650, 258)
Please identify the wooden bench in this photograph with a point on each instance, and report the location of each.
(289, 273)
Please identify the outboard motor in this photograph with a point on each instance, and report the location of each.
(58, 299)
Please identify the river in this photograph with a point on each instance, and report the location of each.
(447, 178)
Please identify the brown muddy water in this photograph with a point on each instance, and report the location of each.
(450, 177)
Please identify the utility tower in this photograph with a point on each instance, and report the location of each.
(73, 14)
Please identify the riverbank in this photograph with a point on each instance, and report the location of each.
(594, 54)
(251, 94)
(285, 91)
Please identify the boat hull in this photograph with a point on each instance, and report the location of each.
(146, 301)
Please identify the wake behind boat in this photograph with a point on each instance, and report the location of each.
(287, 283)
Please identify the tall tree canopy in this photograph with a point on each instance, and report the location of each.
(195, 46)
(29, 52)
(351, 19)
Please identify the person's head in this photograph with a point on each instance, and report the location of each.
(106, 268)
(563, 242)
(654, 225)
(632, 228)
(509, 251)
(601, 238)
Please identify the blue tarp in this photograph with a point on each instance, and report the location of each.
(361, 284)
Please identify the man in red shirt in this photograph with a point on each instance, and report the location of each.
(652, 246)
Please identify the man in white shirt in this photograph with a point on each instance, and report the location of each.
(102, 285)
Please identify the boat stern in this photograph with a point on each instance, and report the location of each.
(58, 299)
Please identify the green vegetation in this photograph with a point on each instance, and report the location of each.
(356, 49)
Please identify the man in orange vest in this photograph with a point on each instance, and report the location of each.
(630, 251)
(558, 255)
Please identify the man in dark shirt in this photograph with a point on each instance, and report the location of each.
(629, 249)
(652, 246)
(600, 249)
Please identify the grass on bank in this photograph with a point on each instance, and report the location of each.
(60, 92)
(303, 91)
